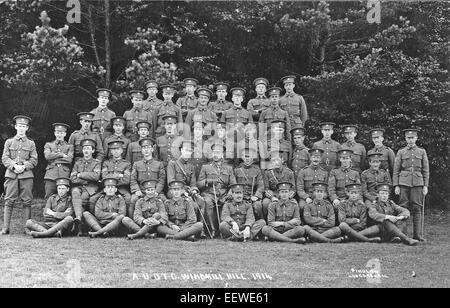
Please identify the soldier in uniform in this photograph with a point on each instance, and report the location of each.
(299, 156)
(202, 113)
(274, 141)
(84, 177)
(260, 102)
(167, 108)
(213, 182)
(373, 176)
(359, 151)
(57, 213)
(388, 218)
(238, 220)
(134, 151)
(353, 215)
(307, 176)
(85, 132)
(110, 210)
(411, 177)
(182, 223)
(320, 218)
(152, 103)
(221, 136)
(19, 157)
(149, 213)
(199, 157)
(387, 154)
(146, 169)
(188, 102)
(250, 176)
(293, 103)
(59, 155)
(283, 219)
(276, 173)
(329, 146)
(274, 112)
(251, 141)
(119, 169)
(118, 124)
(221, 104)
(102, 114)
(341, 177)
(138, 114)
(168, 144)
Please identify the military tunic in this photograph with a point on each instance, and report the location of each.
(219, 107)
(180, 212)
(199, 157)
(186, 104)
(319, 215)
(77, 136)
(298, 159)
(167, 108)
(295, 105)
(86, 174)
(57, 165)
(286, 211)
(20, 151)
(241, 213)
(106, 206)
(151, 104)
(147, 170)
(235, 115)
(201, 114)
(134, 152)
(274, 176)
(387, 157)
(101, 120)
(257, 105)
(181, 170)
(252, 179)
(135, 115)
(358, 156)
(119, 169)
(221, 173)
(276, 113)
(305, 178)
(377, 215)
(330, 156)
(146, 207)
(62, 208)
(370, 178)
(337, 181)
(168, 148)
(114, 137)
(349, 211)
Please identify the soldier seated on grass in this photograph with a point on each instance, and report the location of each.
(353, 215)
(238, 221)
(148, 214)
(388, 218)
(320, 219)
(110, 209)
(182, 222)
(284, 224)
(58, 213)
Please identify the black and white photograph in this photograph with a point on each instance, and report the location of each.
(224, 145)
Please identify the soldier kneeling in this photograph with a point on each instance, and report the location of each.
(238, 219)
(283, 219)
(110, 210)
(388, 218)
(182, 222)
(149, 213)
(58, 213)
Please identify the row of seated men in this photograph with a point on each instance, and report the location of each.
(213, 203)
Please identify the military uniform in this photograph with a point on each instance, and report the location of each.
(288, 213)
(101, 121)
(251, 178)
(121, 138)
(199, 158)
(199, 114)
(167, 109)
(167, 146)
(272, 144)
(134, 116)
(330, 156)
(337, 181)
(260, 102)
(18, 151)
(77, 136)
(275, 113)
(359, 151)
(152, 103)
(188, 102)
(59, 156)
(236, 115)
(58, 223)
(109, 213)
(294, 104)
(370, 178)
(411, 174)
(182, 170)
(84, 177)
(181, 213)
(242, 214)
(305, 179)
(299, 156)
(387, 154)
(134, 151)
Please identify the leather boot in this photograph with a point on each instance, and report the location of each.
(417, 225)
(395, 232)
(109, 228)
(32, 226)
(274, 235)
(189, 232)
(7, 214)
(26, 216)
(316, 236)
(333, 235)
(141, 233)
(91, 222)
(56, 230)
(130, 225)
(347, 230)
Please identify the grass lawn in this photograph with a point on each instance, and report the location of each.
(116, 262)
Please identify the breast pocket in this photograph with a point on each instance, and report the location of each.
(406, 160)
(25, 152)
(351, 179)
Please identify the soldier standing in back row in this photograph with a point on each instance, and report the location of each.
(19, 157)
(411, 177)
(118, 125)
(221, 104)
(102, 114)
(189, 101)
(260, 102)
(299, 156)
(293, 103)
(152, 103)
(359, 151)
(134, 151)
(137, 114)
(168, 108)
(202, 113)
(59, 155)
(329, 147)
(85, 132)
(387, 154)
(275, 113)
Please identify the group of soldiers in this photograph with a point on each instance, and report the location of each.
(199, 169)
